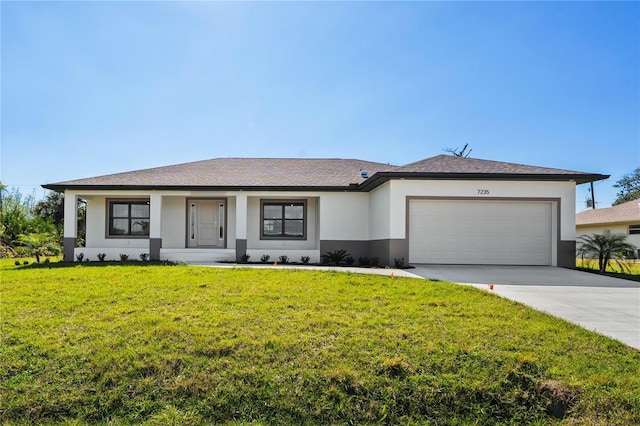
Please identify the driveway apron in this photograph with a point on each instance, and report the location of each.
(609, 306)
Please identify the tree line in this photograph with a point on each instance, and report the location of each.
(33, 228)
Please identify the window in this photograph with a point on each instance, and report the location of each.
(634, 229)
(283, 220)
(129, 218)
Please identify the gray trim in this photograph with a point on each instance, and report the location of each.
(371, 183)
(241, 249)
(107, 216)
(62, 188)
(69, 245)
(382, 177)
(278, 201)
(561, 251)
(155, 244)
(187, 210)
(567, 254)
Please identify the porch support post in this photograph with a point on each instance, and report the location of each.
(241, 226)
(155, 226)
(70, 232)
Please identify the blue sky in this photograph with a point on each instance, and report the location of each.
(91, 88)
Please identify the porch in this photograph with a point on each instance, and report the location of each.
(193, 227)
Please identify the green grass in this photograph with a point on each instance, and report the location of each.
(139, 343)
(613, 270)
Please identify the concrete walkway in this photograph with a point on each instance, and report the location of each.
(373, 271)
(609, 306)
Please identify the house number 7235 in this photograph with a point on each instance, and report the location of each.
(483, 192)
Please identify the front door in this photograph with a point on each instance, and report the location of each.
(206, 223)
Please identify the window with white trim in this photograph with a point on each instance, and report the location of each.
(128, 218)
(634, 229)
(283, 220)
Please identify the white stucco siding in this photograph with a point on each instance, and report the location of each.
(344, 216)
(173, 222)
(620, 228)
(70, 227)
(96, 236)
(380, 208)
(564, 191)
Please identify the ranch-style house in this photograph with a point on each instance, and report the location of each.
(444, 210)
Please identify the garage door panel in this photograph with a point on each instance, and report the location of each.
(480, 232)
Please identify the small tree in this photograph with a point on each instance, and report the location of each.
(605, 247)
(2, 189)
(17, 218)
(629, 187)
(51, 209)
(459, 153)
(41, 244)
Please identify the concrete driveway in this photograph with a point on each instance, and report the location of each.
(609, 306)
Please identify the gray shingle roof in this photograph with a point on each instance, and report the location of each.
(242, 172)
(452, 164)
(622, 213)
(313, 173)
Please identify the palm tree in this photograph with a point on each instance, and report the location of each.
(40, 244)
(606, 247)
(2, 189)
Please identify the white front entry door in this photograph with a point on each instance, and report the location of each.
(206, 223)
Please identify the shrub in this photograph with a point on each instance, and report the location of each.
(364, 261)
(284, 259)
(47, 260)
(25, 262)
(265, 258)
(80, 257)
(144, 256)
(39, 244)
(375, 261)
(244, 258)
(349, 260)
(606, 247)
(335, 257)
(101, 257)
(304, 259)
(399, 263)
(17, 263)
(124, 257)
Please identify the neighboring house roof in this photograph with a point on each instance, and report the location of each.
(622, 213)
(313, 174)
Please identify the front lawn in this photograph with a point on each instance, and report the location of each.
(140, 343)
(613, 270)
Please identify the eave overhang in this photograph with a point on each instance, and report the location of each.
(368, 185)
(382, 177)
(62, 188)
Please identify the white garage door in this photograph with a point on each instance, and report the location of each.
(480, 232)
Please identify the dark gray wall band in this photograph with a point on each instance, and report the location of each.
(386, 250)
(155, 244)
(69, 245)
(241, 249)
(567, 254)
